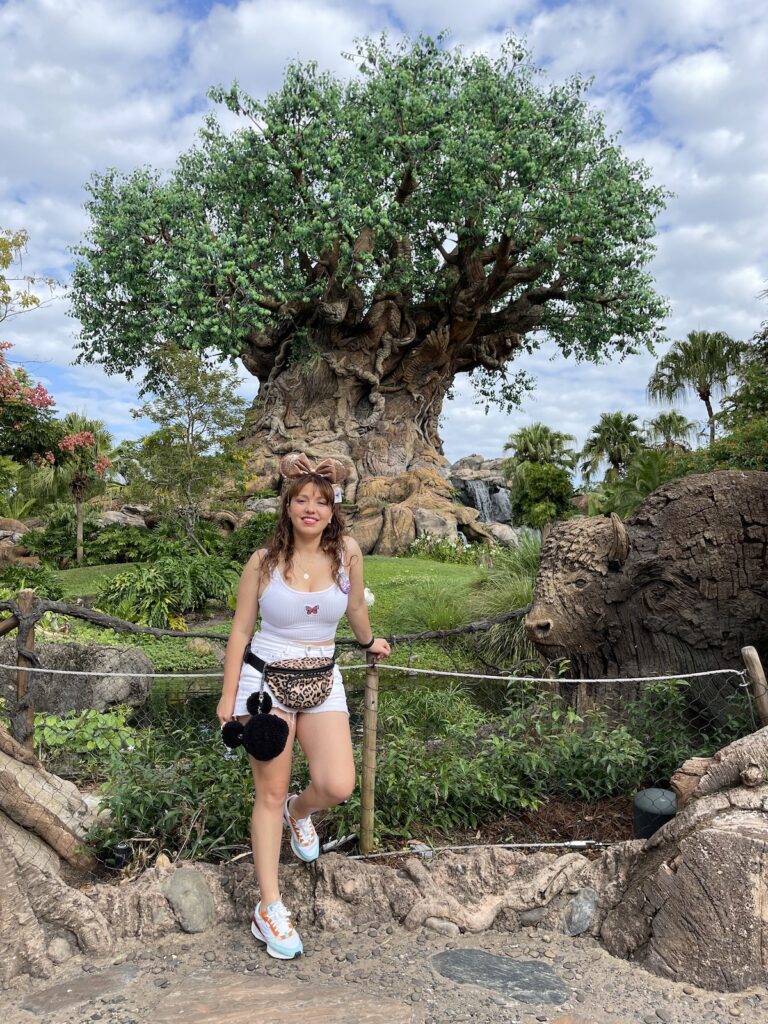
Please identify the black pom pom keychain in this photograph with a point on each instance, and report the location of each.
(264, 735)
(232, 734)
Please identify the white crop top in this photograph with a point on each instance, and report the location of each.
(295, 615)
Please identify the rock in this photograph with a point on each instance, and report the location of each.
(121, 518)
(530, 918)
(432, 523)
(366, 527)
(224, 519)
(527, 981)
(263, 504)
(12, 553)
(693, 908)
(57, 694)
(442, 927)
(398, 530)
(188, 893)
(12, 526)
(503, 534)
(59, 950)
(580, 913)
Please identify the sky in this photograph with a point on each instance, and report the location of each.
(91, 84)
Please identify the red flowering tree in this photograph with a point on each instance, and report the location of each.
(27, 426)
(78, 464)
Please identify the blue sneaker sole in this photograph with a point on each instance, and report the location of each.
(274, 953)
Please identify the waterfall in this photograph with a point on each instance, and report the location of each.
(479, 494)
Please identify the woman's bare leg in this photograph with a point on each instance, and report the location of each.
(327, 743)
(270, 780)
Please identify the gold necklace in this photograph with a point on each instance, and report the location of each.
(304, 572)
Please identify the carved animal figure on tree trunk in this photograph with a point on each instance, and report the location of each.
(681, 586)
(363, 241)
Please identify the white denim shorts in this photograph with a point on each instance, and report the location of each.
(274, 649)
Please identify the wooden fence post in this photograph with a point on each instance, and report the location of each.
(758, 680)
(24, 723)
(368, 780)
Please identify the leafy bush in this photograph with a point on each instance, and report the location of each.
(649, 469)
(170, 539)
(442, 549)
(91, 734)
(249, 538)
(542, 492)
(745, 447)
(56, 543)
(42, 580)
(160, 593)
(181, 789)
(118, 544)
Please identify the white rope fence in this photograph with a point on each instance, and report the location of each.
(400, 668)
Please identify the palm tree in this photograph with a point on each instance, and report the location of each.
(538, 443)
(614, 439)
(700, 364)
(79, 465)
(671, 428)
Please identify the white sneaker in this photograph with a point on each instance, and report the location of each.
(273, 926)
(304, 841)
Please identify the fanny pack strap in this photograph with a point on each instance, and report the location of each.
(249, 658)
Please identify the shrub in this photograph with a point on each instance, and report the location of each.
(158, 594)
(442, 549)
(506, 584)
(180, 789)
(542, 492)
(428, 605)
(91, 734)
(56, 543)
(170, 539)
(249, 538)
(45, 582)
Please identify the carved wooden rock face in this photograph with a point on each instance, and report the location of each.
(683, 586)
(581, 573)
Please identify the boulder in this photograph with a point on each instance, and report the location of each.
(504, 534)
(15, 554)
(398, 530)
(254, 505)
(434, 524)
(365, 527)
(11, 527)
(120, 517)
(60, 693)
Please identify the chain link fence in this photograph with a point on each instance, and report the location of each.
(565, 741)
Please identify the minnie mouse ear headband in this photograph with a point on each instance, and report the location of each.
(297, 464)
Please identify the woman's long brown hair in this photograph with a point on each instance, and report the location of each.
(280, 545)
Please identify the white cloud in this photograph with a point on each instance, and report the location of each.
(89, 84)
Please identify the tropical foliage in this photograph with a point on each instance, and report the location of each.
(701, 364)
(615, 440)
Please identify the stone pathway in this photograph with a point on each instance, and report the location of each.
(382, 975)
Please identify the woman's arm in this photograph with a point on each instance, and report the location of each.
(357, 609)
(246, 613)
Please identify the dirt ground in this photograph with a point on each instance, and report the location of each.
(376, 974)
(385, 974)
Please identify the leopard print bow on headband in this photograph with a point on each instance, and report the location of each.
(297, 464)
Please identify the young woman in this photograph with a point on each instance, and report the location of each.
(301, 584)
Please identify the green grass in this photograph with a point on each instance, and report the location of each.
(85, 582)
(411, 595)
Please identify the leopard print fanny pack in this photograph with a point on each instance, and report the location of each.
(297, 683)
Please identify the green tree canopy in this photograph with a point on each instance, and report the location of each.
(671, 428)
(615, 439)
(416, 221)
(700, 364)
(539, 443)
(179, 465)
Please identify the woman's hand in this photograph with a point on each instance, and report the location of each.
(225, 709)
(380, 648)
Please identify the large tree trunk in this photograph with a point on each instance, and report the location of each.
(375, 402)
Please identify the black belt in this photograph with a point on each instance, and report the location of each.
(249, 658)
